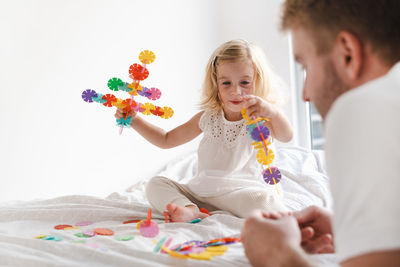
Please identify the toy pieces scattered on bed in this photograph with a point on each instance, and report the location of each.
(132, 221)
(203, 210)
(198, 250)
(147, 227)
(124, 238)
(70, 227)
(49, 237)
(195, 221)
(84, 223)
(63, 227)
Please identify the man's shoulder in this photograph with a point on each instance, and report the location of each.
(379, 95)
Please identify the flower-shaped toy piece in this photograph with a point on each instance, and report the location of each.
(138, 72)
(115, 83)
(155, 93)
(147, 57)
(272, 175)
(88, 95)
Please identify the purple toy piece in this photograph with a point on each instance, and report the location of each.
(255, 133)
(143, 91)
(88, 94)
(268, 176)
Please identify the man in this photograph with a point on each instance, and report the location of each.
(350, 50)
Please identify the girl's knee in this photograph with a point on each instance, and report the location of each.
(154, 184)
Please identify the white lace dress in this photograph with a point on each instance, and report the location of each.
(226, 159)
(228, 175)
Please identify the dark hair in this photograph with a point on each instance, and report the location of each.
(376, 22)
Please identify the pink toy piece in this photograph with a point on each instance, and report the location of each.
(92, 245)
(175, 247)
(196, 250)
(149, 230)
(89, 233)
(85, 223)
(155, 93)
(139, 107)
(270, 177)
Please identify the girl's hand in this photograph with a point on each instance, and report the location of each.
(120, 113)
(258, 107)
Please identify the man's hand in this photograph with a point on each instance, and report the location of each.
(316, 229)
(272, 242)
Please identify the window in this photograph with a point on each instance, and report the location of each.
(317, 138)
(307, 122)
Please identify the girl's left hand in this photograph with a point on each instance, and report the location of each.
(258, 107)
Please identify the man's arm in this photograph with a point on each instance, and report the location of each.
(384, 258)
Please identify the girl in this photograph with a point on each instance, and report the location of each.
(228, 175)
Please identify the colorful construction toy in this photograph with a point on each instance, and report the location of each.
(137, 73)
(261, 136)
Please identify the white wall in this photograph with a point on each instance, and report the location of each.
(53, 143)
(259, 21)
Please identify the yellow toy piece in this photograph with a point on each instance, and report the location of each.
(168, 112)
(202, 256)
(119, 103)
(177, 255)
(71, 228)
(264, 159)
(148, 107)
(135, 87)
(138, 224)
(244, 114)
(217, 248)
(260, 145)
(147, 57)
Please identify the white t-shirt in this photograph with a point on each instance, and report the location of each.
(363, 162)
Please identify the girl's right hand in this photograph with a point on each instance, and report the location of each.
(120, 113)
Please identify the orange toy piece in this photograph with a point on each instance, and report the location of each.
(109, 98)
(103, 231)
(62, 226)
(138, 72)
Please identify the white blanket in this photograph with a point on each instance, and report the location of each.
(304, 183)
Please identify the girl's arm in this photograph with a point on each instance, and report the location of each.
(161, 138)
(279, 125)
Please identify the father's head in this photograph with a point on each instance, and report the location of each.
(342, 44)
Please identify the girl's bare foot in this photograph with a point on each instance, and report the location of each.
(177, 213)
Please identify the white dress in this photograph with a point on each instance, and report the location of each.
(226, 159)
(228, 176)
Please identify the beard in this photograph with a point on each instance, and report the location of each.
(333, 88)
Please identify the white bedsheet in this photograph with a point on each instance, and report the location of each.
(304, 182)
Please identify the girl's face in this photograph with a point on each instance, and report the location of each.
(234, 80)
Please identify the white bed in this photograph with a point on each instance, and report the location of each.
(304, 183)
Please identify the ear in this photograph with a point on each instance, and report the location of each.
(348, 56)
